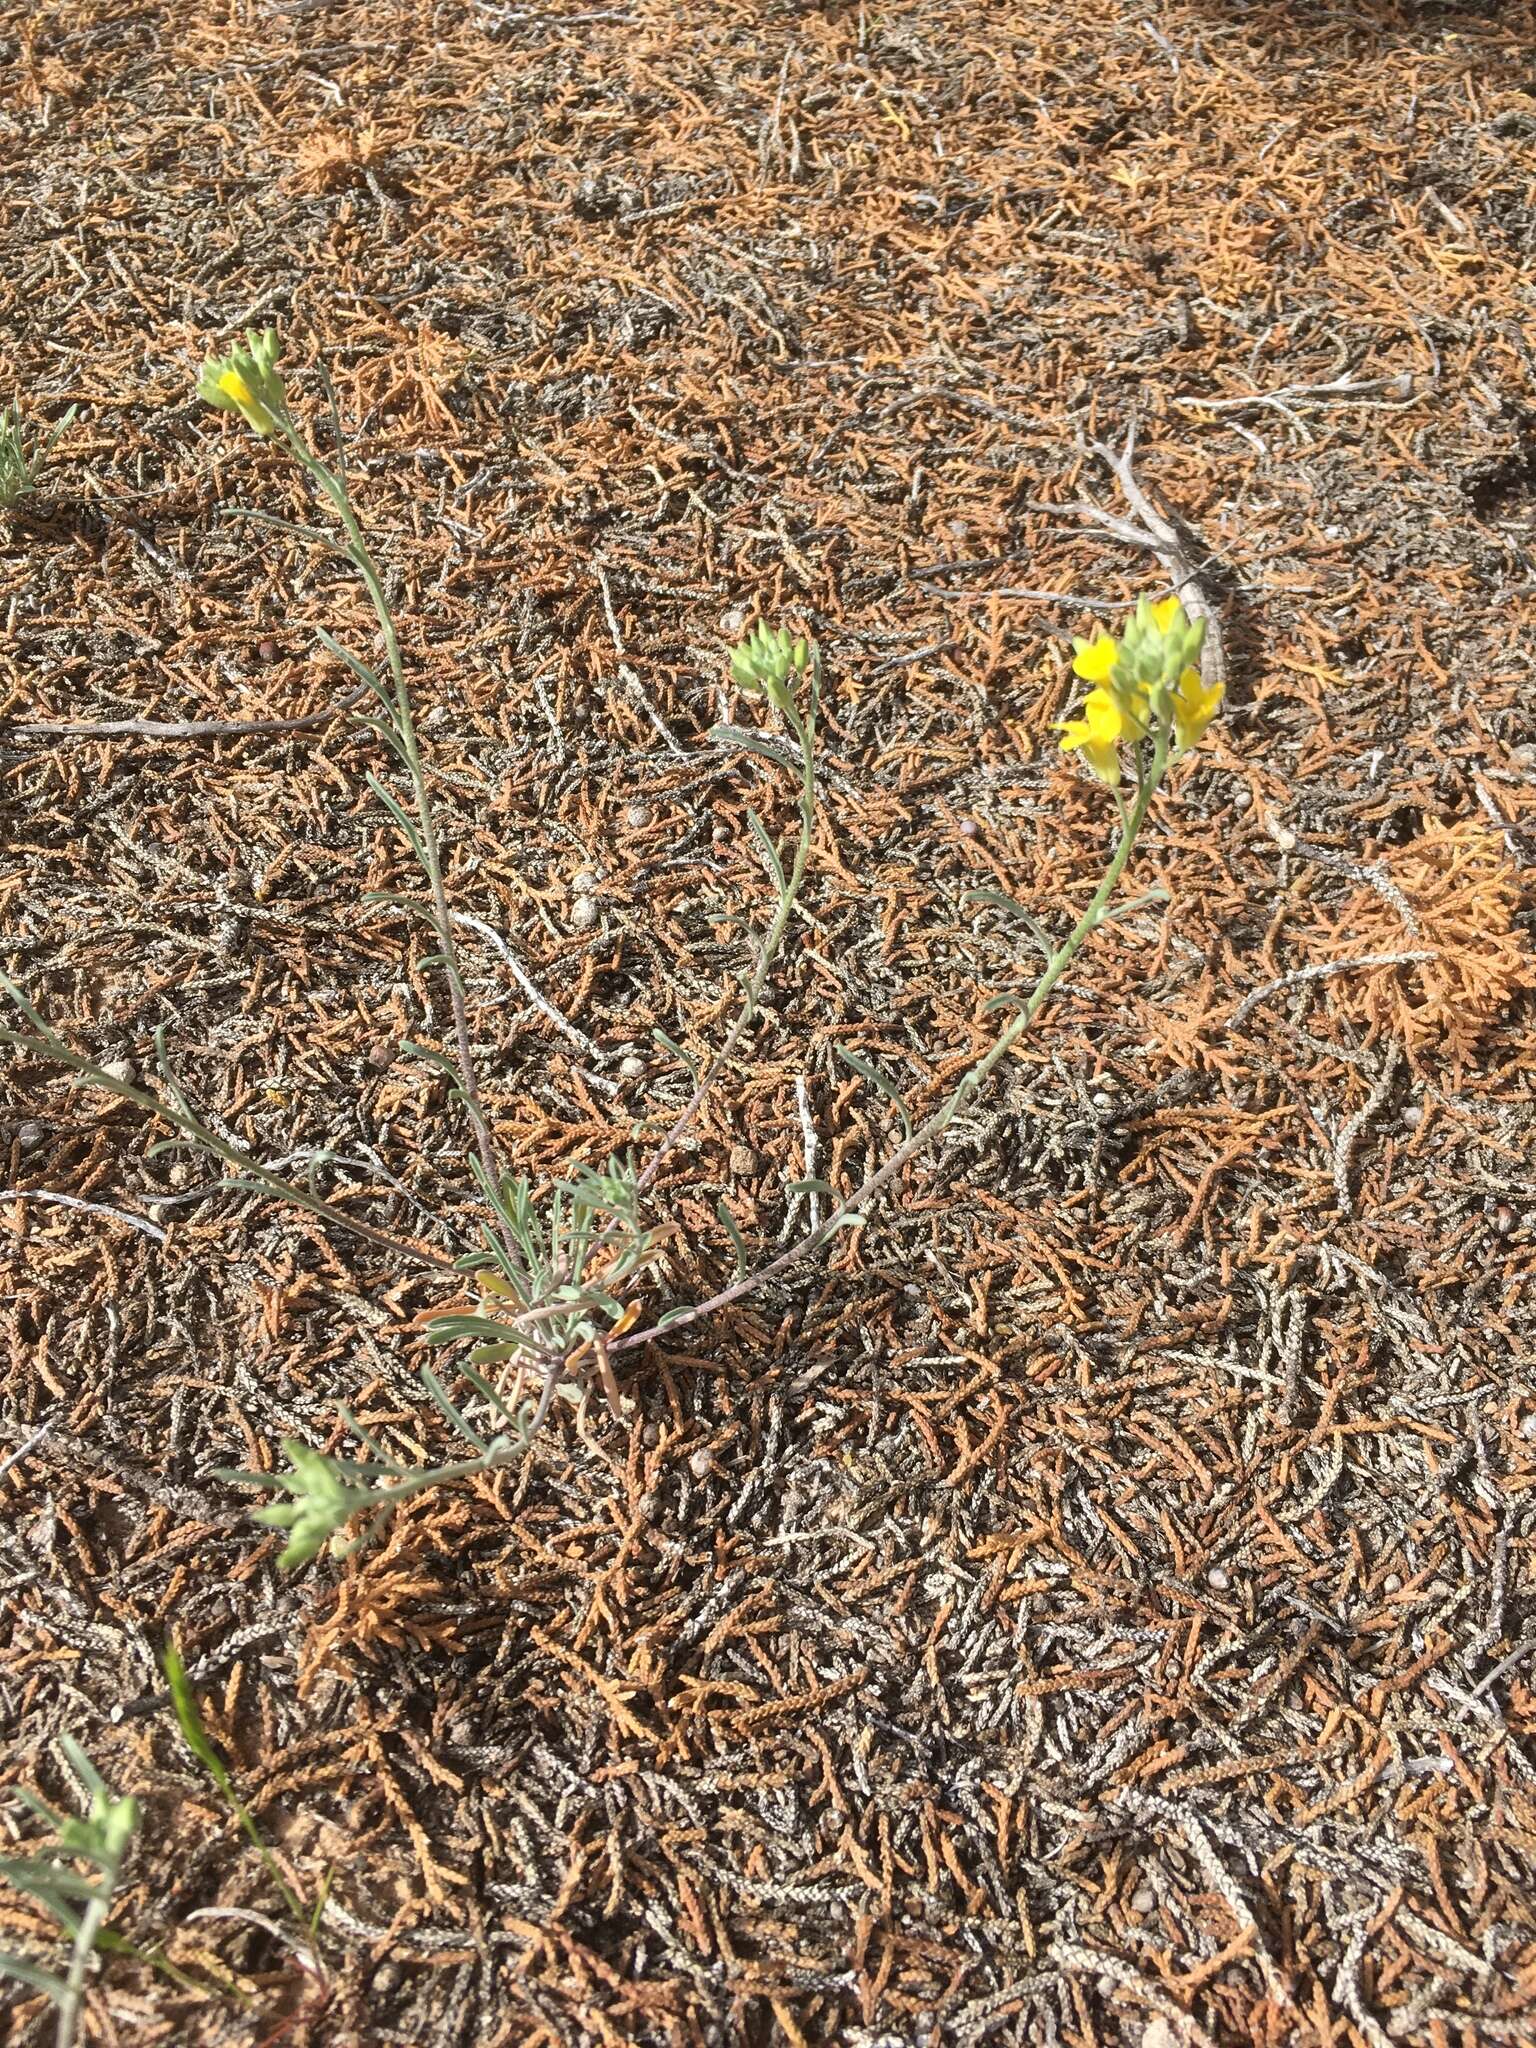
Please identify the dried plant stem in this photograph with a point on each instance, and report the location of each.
(1158, 534)
(184, 728)
(358, 553)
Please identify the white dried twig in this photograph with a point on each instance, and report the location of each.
(1157, 533)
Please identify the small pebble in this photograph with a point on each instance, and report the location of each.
(969, 829)
(1242, 800)
(1392, 1583)
(1528, 1427)
(1102, 1099)
(1143, 1899)
(121, 1070)
(721, 834)
(637, 817)
(1413, 1116)
(1218, 1579)
(702, 1463)
(583, 914)
(583, 882)
(1504, 1219)
(744, 1160)
(632, 1066)
(30, 1135)
(1283, 837)
(267, 649)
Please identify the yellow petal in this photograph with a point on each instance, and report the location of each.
(1094, 662)
(1097, 733)
(253, 410)
(1104, 761)
(1104, 716)
(1194, 706)
(1166, 613)
(1131, 710)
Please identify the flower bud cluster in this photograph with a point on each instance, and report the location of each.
(247, 381)
(1145, 683)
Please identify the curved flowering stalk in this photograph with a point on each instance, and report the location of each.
(557, 1279)
(247, 381)
(1147, 705)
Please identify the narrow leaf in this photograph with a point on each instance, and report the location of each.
(355, 662)
(439, 1060)
(749, 743)
(876, 1079)
(190, 1720)
(735, 1236)
(770, 852)
(369, 1443)
(487, 1392)
(671, 1045)
(391, 804)
(29, 1974)
(309, 533)
(998, 899)
(434, 1387)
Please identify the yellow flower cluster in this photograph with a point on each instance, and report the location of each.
(247, 381)
(1144, 682)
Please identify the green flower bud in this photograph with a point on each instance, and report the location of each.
(247, 381)
(766, 660)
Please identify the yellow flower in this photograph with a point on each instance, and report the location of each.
(255, 414)
(1095, 658)
(1098, 734)
(1194, 706)
(1167, 612)
(247, 381)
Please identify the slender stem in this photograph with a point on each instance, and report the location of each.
(52, 1047)
(362, 560)
(500, 1451)
(92, 1919)
(969, 1083)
